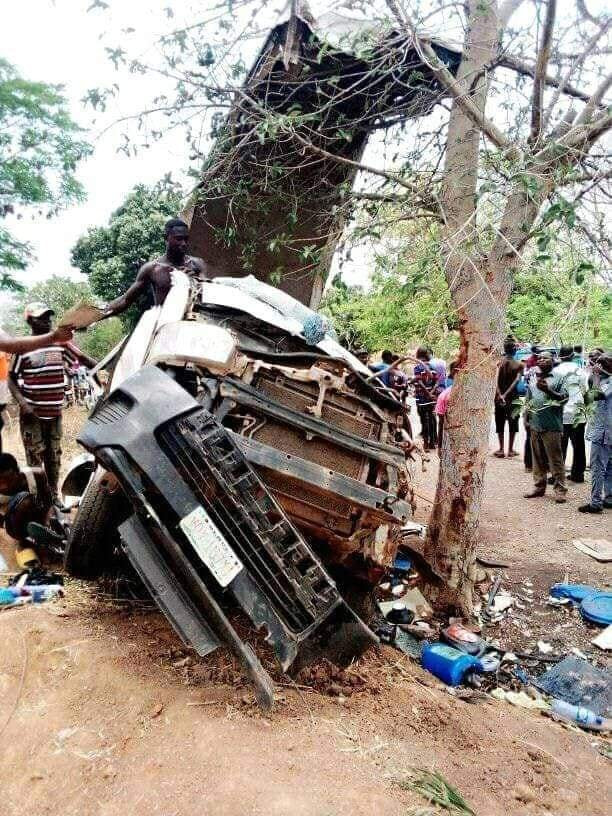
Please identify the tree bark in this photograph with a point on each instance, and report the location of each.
(453, 530)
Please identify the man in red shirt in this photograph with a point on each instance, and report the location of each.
(38, 382)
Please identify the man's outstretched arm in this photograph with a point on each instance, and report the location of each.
(22, 345)
(138, 288)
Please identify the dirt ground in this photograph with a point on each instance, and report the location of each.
(102, 711)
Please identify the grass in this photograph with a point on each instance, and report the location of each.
(437, 791)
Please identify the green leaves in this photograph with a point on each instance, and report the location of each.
(40, 148)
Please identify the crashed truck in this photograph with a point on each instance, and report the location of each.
(244, 458)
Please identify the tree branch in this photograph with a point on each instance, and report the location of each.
(595, 101)
(575, 64)
(585, 12)
(537, 99)
(457, 91)
(524, 69)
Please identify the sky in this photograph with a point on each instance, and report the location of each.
(64, 47)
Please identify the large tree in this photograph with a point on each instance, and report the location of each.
(40, 148)
(506, 149)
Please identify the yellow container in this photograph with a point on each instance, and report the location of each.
(26, 557)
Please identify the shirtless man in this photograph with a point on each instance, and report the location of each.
(157, 274)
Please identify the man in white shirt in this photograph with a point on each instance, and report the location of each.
(574, 417)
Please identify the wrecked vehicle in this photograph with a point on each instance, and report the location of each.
(242, 451)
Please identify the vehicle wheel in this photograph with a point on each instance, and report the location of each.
(94, 534)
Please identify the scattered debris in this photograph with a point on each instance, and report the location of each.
(463, 639)
(598, 608)
(544, 647)
(584, 717)
(573, 592)
(598, 548)
(578, 682)
(437, 791)
(450, 665)
(604, 639)
(520, 699)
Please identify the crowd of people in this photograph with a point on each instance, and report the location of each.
(562, 397)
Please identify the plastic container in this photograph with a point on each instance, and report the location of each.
(448, 664)
(44, 592)
(583, 717)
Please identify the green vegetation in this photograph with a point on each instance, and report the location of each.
(40, 147)
(112, 255)
(408, 301)
(62, 293)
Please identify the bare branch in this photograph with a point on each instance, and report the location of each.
(585, 12)
(543, 57)
(456, 90)
(595, 101)
(524, 69)
(575, 64)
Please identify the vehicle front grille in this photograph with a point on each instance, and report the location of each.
(271, 549)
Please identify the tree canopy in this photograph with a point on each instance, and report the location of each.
(40, 148)
(112, 255)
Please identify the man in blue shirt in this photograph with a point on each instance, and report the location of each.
(599, 432)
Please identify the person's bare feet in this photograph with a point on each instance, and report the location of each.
(511, 454)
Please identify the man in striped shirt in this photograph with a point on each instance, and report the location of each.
(38, 382)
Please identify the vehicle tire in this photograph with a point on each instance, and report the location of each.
(94, 535)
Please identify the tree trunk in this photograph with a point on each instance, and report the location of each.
(453, 526)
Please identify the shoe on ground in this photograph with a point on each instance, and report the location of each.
(576, 481)
(607, 503)
(560, 498)
(551, 480)
(534, 494)
(589, 508)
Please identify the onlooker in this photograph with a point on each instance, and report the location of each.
(381, 368)
(25, 496)
(509, 373)
(442, 402)
(532, 360)
(439, 366)
(578, 355)
(544, 418)
(574, 418)
(599, 432)
(38, 380)
(426, 391)
(4, 390)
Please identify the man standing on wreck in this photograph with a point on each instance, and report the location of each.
(158, 274)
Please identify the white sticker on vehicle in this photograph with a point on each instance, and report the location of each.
(210, 545)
